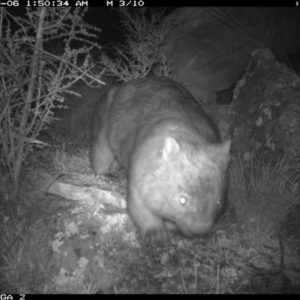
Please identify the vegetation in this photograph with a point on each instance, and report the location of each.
(33, 80)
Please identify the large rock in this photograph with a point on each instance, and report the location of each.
(208, 49)
(266, 110)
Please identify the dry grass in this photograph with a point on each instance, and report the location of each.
(263, 194)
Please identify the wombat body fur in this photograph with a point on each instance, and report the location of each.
(176, 164)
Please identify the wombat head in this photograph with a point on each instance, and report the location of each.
(188, 185)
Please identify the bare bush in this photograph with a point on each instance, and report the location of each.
(32, 80)
(140, 53)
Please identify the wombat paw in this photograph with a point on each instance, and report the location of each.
(156, 236)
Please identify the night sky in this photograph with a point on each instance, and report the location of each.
(105, 18)
(108, 20)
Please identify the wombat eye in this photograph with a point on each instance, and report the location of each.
(182, 200)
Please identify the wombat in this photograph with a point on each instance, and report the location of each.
(176, 164)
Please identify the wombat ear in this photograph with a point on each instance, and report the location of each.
(170, 147)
